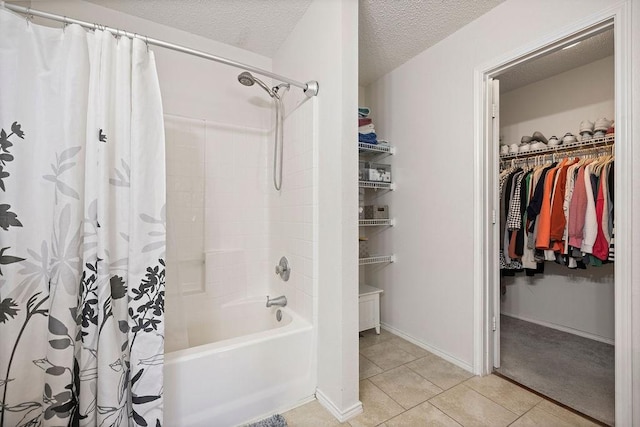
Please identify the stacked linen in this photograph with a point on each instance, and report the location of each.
(366, 131)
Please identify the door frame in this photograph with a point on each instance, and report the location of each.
(486, 266)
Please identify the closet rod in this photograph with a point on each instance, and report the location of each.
(310, 88)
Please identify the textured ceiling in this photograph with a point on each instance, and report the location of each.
(596, 47)
(390, 31)
(259, 26)
(394, 31)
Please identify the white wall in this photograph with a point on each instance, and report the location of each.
(323, 46)
(425, 107)
(576, 301)
(361, 96)
(557, 105)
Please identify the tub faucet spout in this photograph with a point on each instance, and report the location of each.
(280, 301)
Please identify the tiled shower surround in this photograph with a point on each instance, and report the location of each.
(291, 211)
(227, 227)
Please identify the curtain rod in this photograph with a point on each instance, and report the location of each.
(310, 88)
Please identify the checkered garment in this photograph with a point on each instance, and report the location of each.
(514, 218)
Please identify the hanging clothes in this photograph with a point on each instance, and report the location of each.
(558, 211)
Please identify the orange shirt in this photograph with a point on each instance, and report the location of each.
(558, 220)
(543, 239)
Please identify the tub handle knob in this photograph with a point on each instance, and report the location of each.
(283, 269)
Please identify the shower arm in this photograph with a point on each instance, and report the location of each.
(309, 88)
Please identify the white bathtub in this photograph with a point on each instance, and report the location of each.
(246, 364)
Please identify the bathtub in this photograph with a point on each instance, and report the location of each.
(245, 364)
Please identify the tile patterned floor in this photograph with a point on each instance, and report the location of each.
(403, 385)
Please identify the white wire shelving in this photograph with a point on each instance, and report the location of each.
(375, 149)
(371, 151)
(377, 185)
(377, 259)
(373, 222)
(590, 143)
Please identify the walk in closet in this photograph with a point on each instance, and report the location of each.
(557, 232)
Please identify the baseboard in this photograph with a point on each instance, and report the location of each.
(460, 363)
(341, 416)
(562, 328)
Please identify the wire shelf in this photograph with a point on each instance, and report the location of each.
(363, 147)
(377, 185)
(376, 259)
(372, 222)
(591, 143)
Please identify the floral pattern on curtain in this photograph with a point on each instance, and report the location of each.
(82, 228)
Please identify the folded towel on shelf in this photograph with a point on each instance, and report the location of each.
(363, 122)
(363, 112)
(366, 129)
(369, 138)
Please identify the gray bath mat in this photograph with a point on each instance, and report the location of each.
(273, 421)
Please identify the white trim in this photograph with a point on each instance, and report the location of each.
(621, 16)
(341, 416)
(551, 41)
(480, 356)
(446, 356)
(562, 328)
(623, 213)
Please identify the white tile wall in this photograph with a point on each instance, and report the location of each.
(291, 212)
(185, 143)
(228, 227)
(236, 208)
(226, 273)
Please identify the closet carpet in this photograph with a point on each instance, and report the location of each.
(575, 371)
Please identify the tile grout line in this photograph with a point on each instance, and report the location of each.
(491, 400)
(390, 397)
(550, 400)
(514, 421)
(448, 415)
(463, 383)
(594, 421)
(497, 403)
(441, 388)
(385, 393)
(373, 363)
(418, 374)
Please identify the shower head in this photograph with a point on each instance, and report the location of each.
(248, 79)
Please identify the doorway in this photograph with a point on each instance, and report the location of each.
(488, 295)
(556, 313)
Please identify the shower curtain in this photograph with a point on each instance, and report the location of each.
(82, 228)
